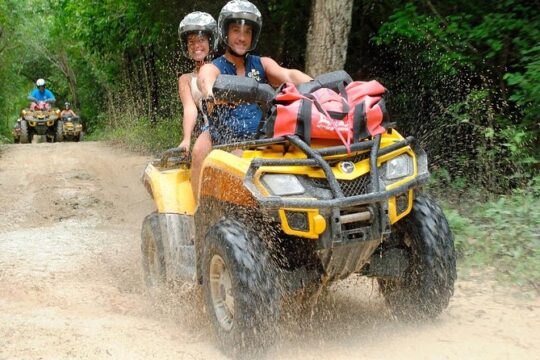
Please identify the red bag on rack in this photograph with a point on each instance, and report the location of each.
(354, 113)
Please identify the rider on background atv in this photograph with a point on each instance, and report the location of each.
(67, 111)
(41, 95)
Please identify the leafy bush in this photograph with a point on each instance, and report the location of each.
(527, 85)
(503, 234)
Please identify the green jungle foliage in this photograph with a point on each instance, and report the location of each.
(467, 74)
(13, 82)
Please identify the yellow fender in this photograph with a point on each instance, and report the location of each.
(170, 189)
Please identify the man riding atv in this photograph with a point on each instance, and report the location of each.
(239, 27)
(41, 95)
(40, 119)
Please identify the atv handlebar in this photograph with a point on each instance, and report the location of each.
(329, 80)
(231, 89)
(174, 156)
(70, 118)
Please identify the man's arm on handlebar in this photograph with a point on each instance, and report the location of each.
(278, 75)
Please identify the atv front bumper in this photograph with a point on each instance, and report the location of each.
(41, 126)
(341, 216)
(72, 129)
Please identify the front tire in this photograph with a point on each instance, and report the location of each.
(153, 254)
(25, 137)
(428, 283)
(59, 131)
(240, 286)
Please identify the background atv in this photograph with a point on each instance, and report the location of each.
(40, 119)
(286, 217)
(69, 128)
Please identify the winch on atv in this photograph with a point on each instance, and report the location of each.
(287, 217)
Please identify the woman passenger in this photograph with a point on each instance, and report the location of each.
(197, 32)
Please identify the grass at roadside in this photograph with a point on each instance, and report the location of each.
(501, 234)
(142, 136)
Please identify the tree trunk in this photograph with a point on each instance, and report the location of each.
(63, 65)
(328, 33)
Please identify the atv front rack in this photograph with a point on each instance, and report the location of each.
(315, 158)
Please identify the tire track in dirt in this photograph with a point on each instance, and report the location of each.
(70, 281)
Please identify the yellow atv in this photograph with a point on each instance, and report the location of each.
(285, 218)
(38, 120)
(69, 128)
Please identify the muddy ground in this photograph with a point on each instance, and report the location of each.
(70, 281)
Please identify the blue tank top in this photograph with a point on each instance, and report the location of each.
(242, 120)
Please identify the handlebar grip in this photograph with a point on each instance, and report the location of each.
(329, 80)
(174, 156)
(233, 89)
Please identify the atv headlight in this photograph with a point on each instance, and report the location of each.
(282, 184)
(399, 167)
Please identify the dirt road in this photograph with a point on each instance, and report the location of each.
(70, 281)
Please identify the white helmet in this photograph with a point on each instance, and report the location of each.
(198, 22)
(40, 82)
(239, 11)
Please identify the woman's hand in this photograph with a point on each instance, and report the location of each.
(184, 145)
